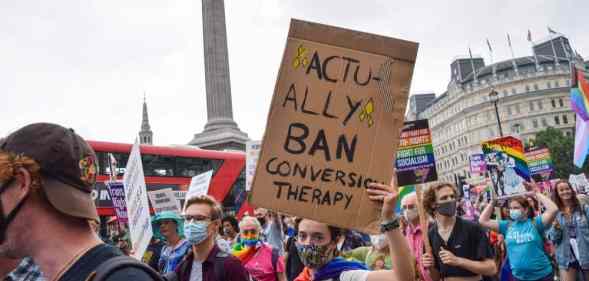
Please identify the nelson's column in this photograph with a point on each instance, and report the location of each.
(220, 132)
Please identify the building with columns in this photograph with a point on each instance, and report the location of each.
(532, 94)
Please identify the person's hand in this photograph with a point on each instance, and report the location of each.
(448, 258)
(427, 260)
(387, 194)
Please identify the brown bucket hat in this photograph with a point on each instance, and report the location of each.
(68, 165)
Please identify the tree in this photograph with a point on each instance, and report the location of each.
(561, 150)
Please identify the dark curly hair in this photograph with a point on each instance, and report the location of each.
(231, 220)
(429, 196)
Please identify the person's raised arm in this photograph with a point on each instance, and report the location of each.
(402, 262)
(485, 218)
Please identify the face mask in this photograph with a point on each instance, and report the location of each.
(378, 241)
(447, 209)
(196, 232)
(313, 256)
(262, 221)
(410, 214)
(5, 221)
(515, 214)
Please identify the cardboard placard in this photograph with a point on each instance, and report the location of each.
(334, 124)
(507, 164)
(164, 200)
(540, 163)
(117, 196)
(137, 205)
(199, 185)
(579, 183)
(477, 164)
(415, 158)
(252, 153)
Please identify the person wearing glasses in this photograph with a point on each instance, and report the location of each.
(261, 261)
(205, 261)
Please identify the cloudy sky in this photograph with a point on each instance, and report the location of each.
(86, 64)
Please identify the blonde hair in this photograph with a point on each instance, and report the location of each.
(216, 209)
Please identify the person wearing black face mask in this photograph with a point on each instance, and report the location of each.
(461, 249)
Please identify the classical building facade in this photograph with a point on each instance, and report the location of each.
(532, 94)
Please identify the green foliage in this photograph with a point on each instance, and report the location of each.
(561, 150)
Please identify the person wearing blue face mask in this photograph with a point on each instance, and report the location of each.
(524, 235)
(202, 219)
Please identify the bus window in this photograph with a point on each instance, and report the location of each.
(190, 167)
(237, 196)
(104, 162)
(158, 165)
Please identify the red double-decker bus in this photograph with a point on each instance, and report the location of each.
(173, 167)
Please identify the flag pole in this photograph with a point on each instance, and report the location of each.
(423, 221)
(472, 65)
(550, 32)
(512, 55)
(535, 55)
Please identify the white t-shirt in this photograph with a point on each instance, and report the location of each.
(196, 272)
(353, 275)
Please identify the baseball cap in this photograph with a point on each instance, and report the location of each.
(68, 165)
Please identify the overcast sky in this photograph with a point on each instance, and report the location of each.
(85, 64)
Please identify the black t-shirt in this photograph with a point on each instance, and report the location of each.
(90, 261)
(467, 240)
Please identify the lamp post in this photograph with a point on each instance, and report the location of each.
(494, 97)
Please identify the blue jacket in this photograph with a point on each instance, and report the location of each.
(560, 238)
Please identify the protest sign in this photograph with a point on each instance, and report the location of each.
(333, 124)
(579, 183)
(117, 196)
(477, 164)
(164, 200)
(507, 163)
(415, 158)
(540, 163)
(252, 152)
(137, 205)
(199, 185)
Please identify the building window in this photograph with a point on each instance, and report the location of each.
(544, 123)
(535, 123)
(560, 102)
(513, 91)
(540, 105)
(565, 119)
(568, 134)
(556, 120)
(556, 84)
(531, 106)
(553, 103)
(509, 110)
(505, 93)
(517, 109)
(535, 87)
(527, 88)
(548, 84)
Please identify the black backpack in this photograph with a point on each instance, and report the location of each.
(114, 264)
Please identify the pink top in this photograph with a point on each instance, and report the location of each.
(260, 265)
(413, 235)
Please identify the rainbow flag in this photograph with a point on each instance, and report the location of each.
(580, 104)
(514, 149)
(403, 191)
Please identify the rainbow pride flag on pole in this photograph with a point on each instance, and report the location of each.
(580, 104)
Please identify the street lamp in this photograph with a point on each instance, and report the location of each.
(494, 97)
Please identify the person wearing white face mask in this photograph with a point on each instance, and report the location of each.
(206, 261)
(413, 231)
(369, 255)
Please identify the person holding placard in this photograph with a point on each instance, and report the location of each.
(524, 235)
(570, 233)
(317, 246)
(461, 249)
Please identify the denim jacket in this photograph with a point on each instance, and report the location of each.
(560, 238)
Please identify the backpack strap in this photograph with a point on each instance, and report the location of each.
(111, 266)
(220, 273)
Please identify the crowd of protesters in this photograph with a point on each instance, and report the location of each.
(49, 231)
